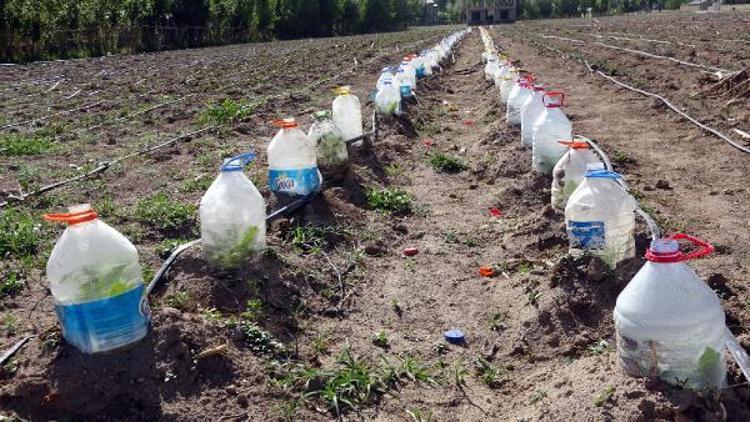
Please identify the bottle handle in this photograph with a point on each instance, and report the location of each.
(237, 163)
(705, 249)
(549, 96)
(72, 217)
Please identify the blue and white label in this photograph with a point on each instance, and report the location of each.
(586, 234)
(105, 324)
(294, 182)
(405, 91)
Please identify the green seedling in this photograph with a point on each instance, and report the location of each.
(491, 375)
(497, 322)
(14, 144)
(198, 183)
(225, 112)
(19, 234)
(260, 342)
(447, 163)
(599, 348)
(390, 200)
(240, 251)
(532, 293)
(381, 340)
(166, 247)
(11, 283)
(604, 396)
(212, 314)
(177, 300)
(253, 311)
(162, 213)
(418, 416)
(321, 345)
(10, 324)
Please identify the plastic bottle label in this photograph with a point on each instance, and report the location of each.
(586, 234)
(105, 324)
(420, 72)
(293, 182)
(405, 91)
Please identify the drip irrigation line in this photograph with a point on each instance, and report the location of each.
(653, 227)
(13, 349)
(641, 53)
(671, 106)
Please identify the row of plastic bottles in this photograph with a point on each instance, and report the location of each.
(669, 323)
(94, 272)
(400, 82)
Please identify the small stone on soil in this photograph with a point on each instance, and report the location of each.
(663, 184)
(374, 249)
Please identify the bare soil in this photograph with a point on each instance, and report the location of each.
(540, 321)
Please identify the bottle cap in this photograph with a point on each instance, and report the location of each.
(343, 90)
(286, 123)
(667, 250)
(575, 144)
(454, 336)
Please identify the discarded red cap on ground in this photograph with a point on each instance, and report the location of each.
(428, 142)
(411, 251)
(468, 122)
(486, 271)
(495, 212)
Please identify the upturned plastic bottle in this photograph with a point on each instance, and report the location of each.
(404, 86)
(491, 69)
(506, 84)
(551, 126)
(531, 109)
(600, 217)
(347, 113)
(386, 74)
(233, 216)
(518, 95)
(570, 171)
(330, 146)
(502, 74)
(388, 99)
(292, 167)
(97, 283)
(669, 323)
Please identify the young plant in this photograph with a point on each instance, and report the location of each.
(177, 300)
(14, 144)
(225, 112)
(491, 375)
(162, 213)
(10, 324)
(447, 163)
(497, 322)
(253, 311)
(19, 234)
(381, 340)
(604, 396)
(390, 200)
(599, 348)
(11, 283)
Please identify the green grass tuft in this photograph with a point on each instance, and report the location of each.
(19, 234)
(447, 163)
(14, 144)
(225, 112)
(162, 213)
(392, 200)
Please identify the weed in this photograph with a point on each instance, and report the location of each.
(417, 416)
(538, 396)
(381, 340)
(177, 300)
(310, 238)
(12, 283)
(392, 200)
(288, 408)
(532, 293)
(148, 274)
(497, 322)
(19, 234)
(225, 112)
(599, 348)
(604, 396)
(51, 340)
(394, 171)
(10, 366)
(416, 371)
(10, 324)
(447, 163)
(453, 237)
(253, 311)
(524, 267)
(162, 213)
(198, 183)
(320, 345)
(459, 374)
(619, 157)
(212, 314)
(354, 383)
(167, 246)
(260, 342)
(15, 144)
(491, 375)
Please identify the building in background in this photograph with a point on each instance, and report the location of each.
(488, 12)
(430, 15)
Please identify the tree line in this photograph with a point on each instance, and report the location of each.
(49, 29)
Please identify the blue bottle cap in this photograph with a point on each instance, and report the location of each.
(454, 336)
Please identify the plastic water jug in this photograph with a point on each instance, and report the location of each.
(491, 69)
(330, 145)
(386, 75)
(410, 73)
(388, 99)
(293, 169)
(403, 83)
(97, 284)
(507, 83)
(347, 113)
(233, 216)
(531, 109)
(600, 217)
(669, 323)
(503, 74)
(551, 126)
(570, 171)
(518, 95)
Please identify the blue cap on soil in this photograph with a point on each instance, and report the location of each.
(454, 336)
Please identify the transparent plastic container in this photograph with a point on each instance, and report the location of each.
(502, 75)
(347, 113)
(518, 95)
(669, 323)
(386, 75)
(551, 126)
(600, 217)
(97, 284)
(531, 109)
(388, 99)
(233, 216)
(292, 166)
(491, 69)
(330, 146)
(570, 171)
(507, 83)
